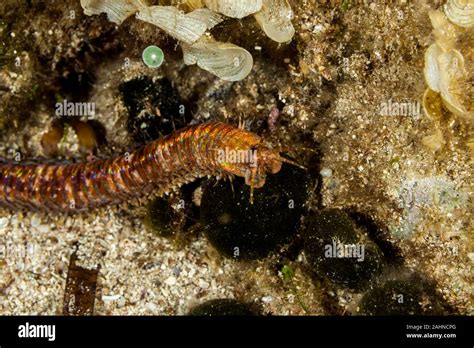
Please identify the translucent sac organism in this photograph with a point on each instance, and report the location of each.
(153, 56)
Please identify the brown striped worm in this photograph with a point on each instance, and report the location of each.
(209, 149)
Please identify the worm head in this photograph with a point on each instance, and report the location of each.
(266, 160)
(253, 160)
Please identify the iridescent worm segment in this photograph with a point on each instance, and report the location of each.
(159, 167)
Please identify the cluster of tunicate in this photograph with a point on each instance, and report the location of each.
(448, 69)
(225, 60)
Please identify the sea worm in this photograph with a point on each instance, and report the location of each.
(158, 168)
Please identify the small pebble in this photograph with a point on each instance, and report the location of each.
(267, 299)
(151, 307)
(203, 284)
(110, 298)
(43, 228)
(326, 172)
(121, 301)
(3, 222)
(170, 281)
(35, 221)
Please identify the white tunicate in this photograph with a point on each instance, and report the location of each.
(444, 31)
(445, 73)
(117, 10)
(275, 20)
(234, 8)
(460, 12)
(225, 60)
(187, 28)
(431, 66)
(452, 75)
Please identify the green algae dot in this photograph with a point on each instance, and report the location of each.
(153, 56)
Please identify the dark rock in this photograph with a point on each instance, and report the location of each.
(406, 295)
(160, 218)
(325, 236)
(242, 230)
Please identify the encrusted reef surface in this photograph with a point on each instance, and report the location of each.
(379, 223)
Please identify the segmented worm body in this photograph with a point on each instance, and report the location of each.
(159, 167)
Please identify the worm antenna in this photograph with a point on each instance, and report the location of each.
(292, 149)
(285, 160)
